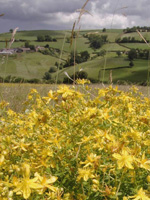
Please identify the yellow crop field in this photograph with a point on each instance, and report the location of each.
(73, 145)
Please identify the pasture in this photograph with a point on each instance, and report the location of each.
(34, 65)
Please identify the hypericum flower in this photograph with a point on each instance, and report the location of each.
(2, 158)
(85, 174)
(124, 159)
(65, 91)
(92, 160)
(141, 195)
(148, 178)
(125, 198)
(144, 163)
(25, 185)
(82, 81)
(50, 97)
(47, 183)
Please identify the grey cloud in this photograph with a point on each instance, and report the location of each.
(42, 14)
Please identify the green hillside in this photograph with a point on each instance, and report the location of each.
(35, 64)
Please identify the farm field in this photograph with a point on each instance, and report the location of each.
(136, 45)
(146, 35)
(119, 66)
(27, 65)
(34, 65)
(114, 47)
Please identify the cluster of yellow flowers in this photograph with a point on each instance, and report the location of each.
(76, 146)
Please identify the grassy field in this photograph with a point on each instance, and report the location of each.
(114, 47)
(136, 45)
(27, 65)
(118, 65)
(34, 65)
(11, 92)
(146, 35)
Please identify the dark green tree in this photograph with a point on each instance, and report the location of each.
(47, 46)
(97, 41)
(104, 30)
(132, 54)
(56, 64)
(32, 47)
(27, 44)
(48, 38)
(52, 69)
(102, 53)
(81, 74)
(118, 53)
(11, 30)
(84, 56)
(40, 38)
(131, 64)
(47, 76)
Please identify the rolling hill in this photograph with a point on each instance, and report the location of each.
(34, 64)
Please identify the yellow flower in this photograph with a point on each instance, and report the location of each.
(82, 81)
(124, 159)
(144, 163)
(25, 185)
(92, 160)
(85, 174)
(125, 198)
(50, 97)
(2, 158)
(148, 178)
(46, 183)
(65, 91)
(141, 195)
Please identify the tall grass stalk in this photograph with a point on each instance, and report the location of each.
(111, 26)
(81, 12)
(60, 57)
(10, 44)
(148, 73)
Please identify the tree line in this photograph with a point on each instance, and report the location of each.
(48, 38)
(134, 28)
(138, 54)
(129, 40)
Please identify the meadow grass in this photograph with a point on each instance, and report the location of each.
(16, 94)
(118, 65)
(146, 35)
(114, 47)
(28, 65)
(136, 45)
(32, 35)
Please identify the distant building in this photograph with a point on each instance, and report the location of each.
(7, 51)
(15, 50)
(23, 49)
(19, 50)
(39, 48)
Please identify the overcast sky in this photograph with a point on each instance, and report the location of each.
(60, 14)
